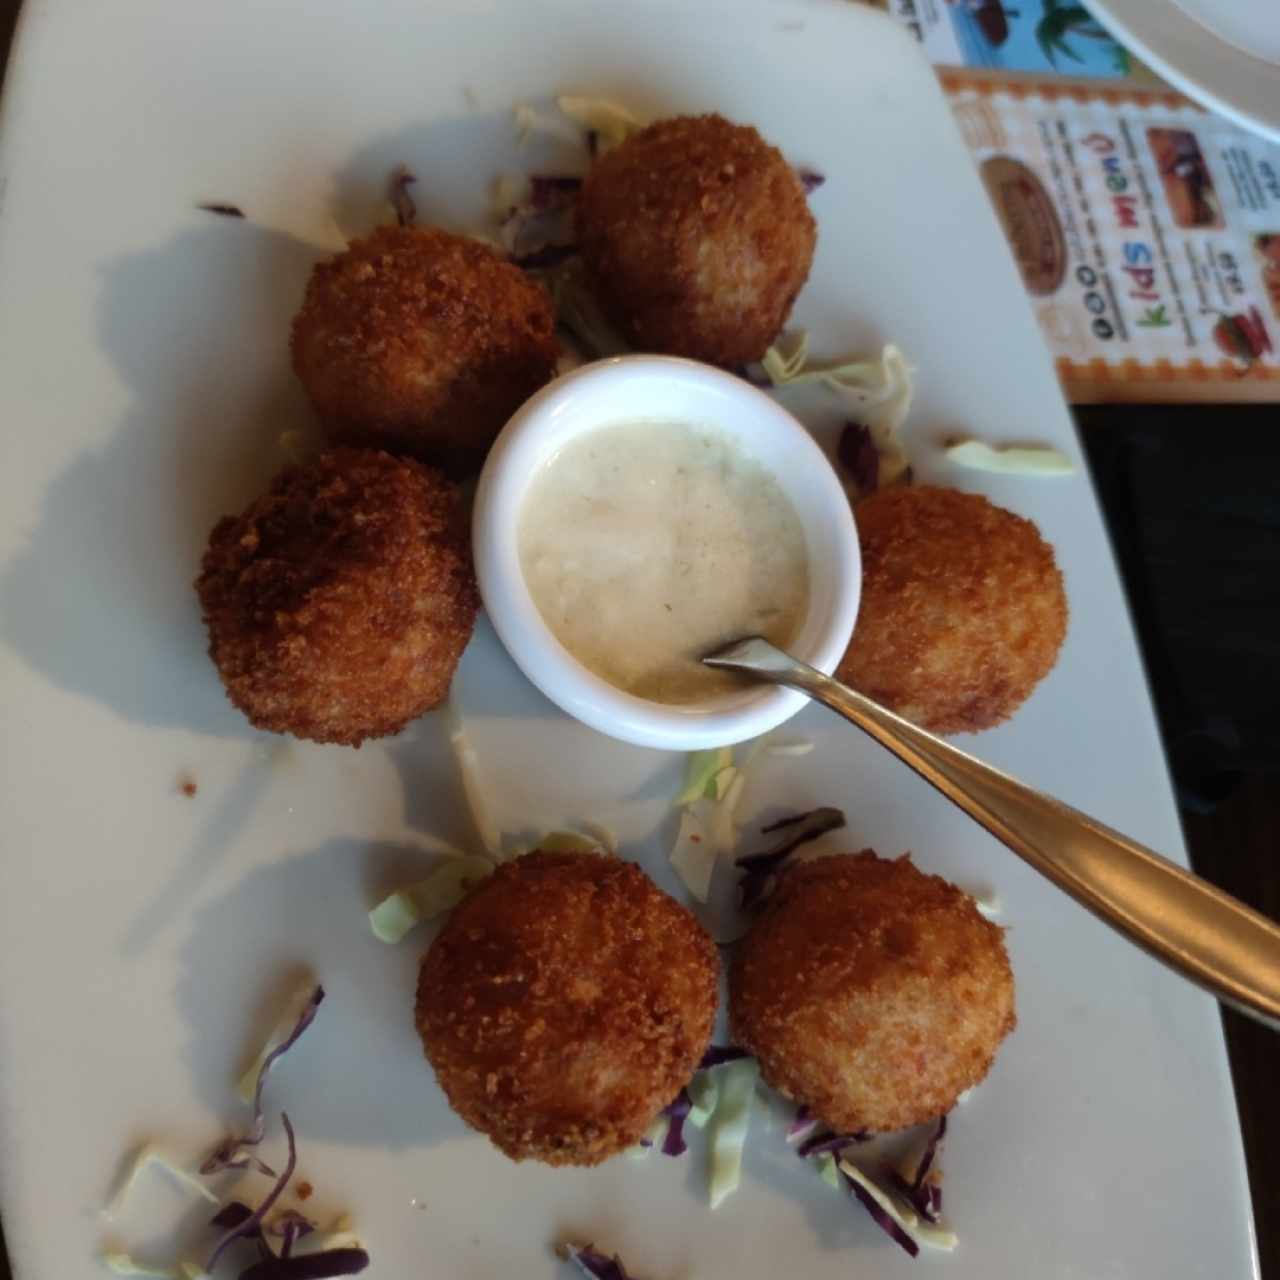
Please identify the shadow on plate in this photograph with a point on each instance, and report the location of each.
(359, 1076)
(100, 600)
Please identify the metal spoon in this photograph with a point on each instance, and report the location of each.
(1197, 930)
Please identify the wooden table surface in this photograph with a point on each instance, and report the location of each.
(1192, 498)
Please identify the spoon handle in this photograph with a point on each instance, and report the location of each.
(1182, 920)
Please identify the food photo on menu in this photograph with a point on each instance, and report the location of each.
(572, 706)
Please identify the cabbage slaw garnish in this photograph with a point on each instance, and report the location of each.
(875, 393)
(760, 870)
(124, 1264)
(704, 1093)
(607, 123)
(1010, 460)
(727, 1131)
(296, 1018)
(254, 1220)
(693, 856)
(401, 201)
(441, 891)
(535, 219)
(908, 1209)
(889, 1216)
(591, 1262)
(712, 790)
(149, 1157)
(913, 1179)
(468, 768)
(826, 1143)
(701, 769)
(802, 1126)
(676, 1113)
(236, 1218)
(578, 312)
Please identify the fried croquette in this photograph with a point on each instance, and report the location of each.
(564, 1004)
(870, 992)
(339, 603)
(422, 342)
(696, 236)
(963, 610)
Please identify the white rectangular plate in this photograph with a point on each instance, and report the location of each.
(144, 934)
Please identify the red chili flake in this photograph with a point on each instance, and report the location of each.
(303, 1190)
(187, 785)
(695, 839)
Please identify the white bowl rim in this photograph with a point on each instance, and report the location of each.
(517, 455)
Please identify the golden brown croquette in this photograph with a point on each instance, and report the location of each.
(422, 342)
(564, 1004)
(963, 610)
(870, 992)
(339, 603)
(696, 236)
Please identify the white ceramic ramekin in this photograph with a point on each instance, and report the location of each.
(628, 389)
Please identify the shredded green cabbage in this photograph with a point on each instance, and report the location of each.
(569, 842)
(150, 1156)
(978, 456)
(611, 123)
(724, 828)
(125, 1265)
(704, 1092)
(790, 747)
(925, 1233)
(701, 770)
(529, 120)
(693, 856)
(578, 312)
(509, 192)
(729, 1125)
(877, 393)
(248, 1084)
(342, 1235)
(441, 891)
(604, 836)
(827, 1170)
(469, 769)
(654, 1135)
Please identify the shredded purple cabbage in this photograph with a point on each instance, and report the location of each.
(760, 870)
(291, 1226)
(926, 1200)
(222, 210)
(859, 457)
(810, 180)
(401, 200)
(677, 1113)
(232, 1214)
(924, 1195)
(230, 1153)
(930, 1153)
(309, 1266)
(803, 1125)
(553, 191)
(828, 1143)
(881, 1218)
(252, 1225)
(538, 233)
(591, 1262)
(718, 1054)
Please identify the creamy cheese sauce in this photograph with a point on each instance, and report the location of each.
(647, 544)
